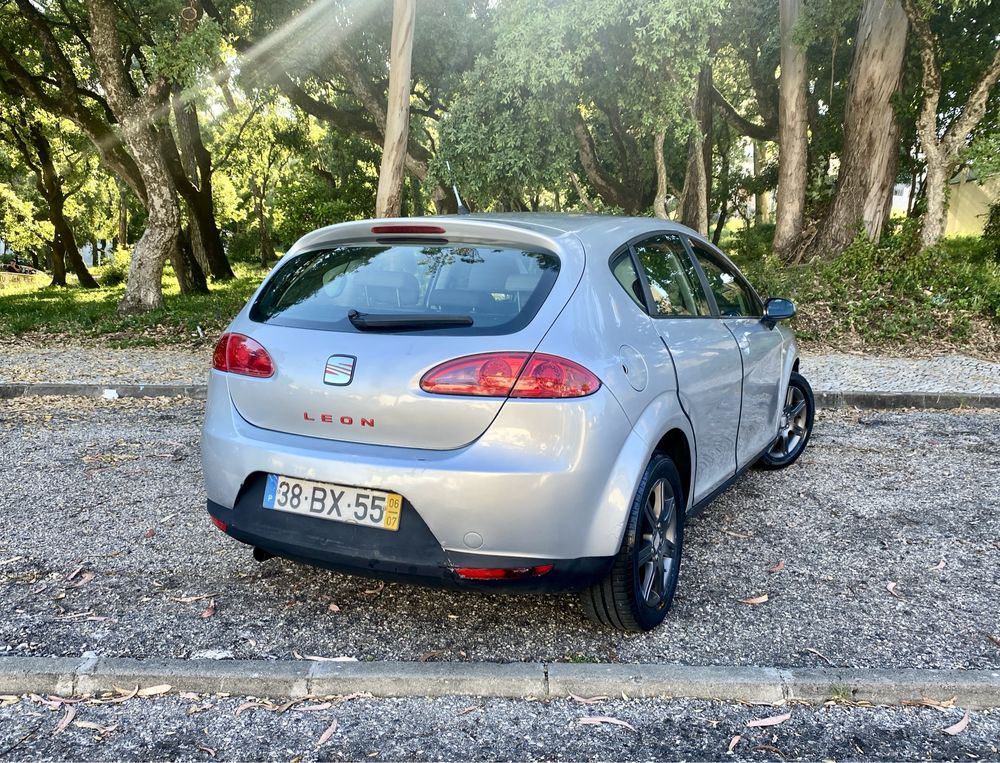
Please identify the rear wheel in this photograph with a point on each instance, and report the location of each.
(794, 427)
(637, 593)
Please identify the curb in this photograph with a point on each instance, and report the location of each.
(67, 676)
(824, 399)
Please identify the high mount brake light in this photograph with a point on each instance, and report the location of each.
(394, 229)
(505, 573)
(239, 354)
(511, 374)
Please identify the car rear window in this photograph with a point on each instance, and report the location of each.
(499, 288)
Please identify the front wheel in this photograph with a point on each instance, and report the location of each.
(794, 427)
(637, 593)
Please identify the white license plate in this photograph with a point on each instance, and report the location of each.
(340, 503)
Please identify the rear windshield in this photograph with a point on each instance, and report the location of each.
(499, 289)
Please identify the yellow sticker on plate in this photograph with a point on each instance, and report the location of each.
(393, 506)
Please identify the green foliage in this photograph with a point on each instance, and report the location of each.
(114, 273)
(991, 231)
(886, 295)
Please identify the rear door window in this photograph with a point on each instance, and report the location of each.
(673, 280)
(500, 289)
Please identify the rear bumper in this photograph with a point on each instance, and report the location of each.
(410, 554)
(549, 480)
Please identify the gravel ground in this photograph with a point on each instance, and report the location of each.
(104, 543)
(26, 362)
(463, 728)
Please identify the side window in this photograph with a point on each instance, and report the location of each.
(732, 293)
(624, 272)
(672, 278)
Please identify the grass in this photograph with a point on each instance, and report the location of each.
(27, 309)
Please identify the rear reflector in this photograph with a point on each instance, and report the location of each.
(507, 573)
(220, 524)
(406, 229)
(238, 354)
(514, 374)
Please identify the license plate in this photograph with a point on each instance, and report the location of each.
(340, 503)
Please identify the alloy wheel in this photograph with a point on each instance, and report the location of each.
(793, 423)
(655, 559)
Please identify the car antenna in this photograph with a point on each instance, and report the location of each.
(462, 209)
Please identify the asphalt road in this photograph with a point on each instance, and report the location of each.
(105, 543)
(463, 728)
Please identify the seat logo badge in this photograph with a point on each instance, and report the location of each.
(339, 370)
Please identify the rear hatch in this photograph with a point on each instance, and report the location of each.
(353, 323)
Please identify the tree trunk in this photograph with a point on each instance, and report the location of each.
(206, 241)
(697, 186)
(724, 183)
(397, 124)
(122, 215)
(660, 202)
(793, 126)
(57, 261)
(137, 115)
(761, 199)
(867, 168)
(71, 252)
(190, 276)
(936, 213)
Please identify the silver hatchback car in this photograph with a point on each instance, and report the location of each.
(529, 402)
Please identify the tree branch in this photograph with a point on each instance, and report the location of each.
(740, 123)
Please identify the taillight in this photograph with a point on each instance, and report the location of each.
(514, 374)
(239, 354)
(219, 524)
(504, 573)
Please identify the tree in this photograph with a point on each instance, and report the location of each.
(793, 133)
(397, 122)
(27, 135)
(871, 133)
(943, 144)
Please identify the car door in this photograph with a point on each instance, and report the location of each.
(761, 349)
(705, 355)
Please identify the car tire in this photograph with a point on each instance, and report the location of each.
(638, 591)
(795, 426)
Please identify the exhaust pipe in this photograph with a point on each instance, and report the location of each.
(261, 555)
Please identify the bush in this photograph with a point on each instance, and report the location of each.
(115, 272)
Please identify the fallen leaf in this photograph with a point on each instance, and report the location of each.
(9, 699)
(317, 658)
(774, 720)
(65, 700)
(95, 727)
(149, 533)
(597, 720)
(736, 535)
(431, 655)
(71, 714)
(315, 708)
(755, 599)
(209, 750)
(469, 709)
(84, 579)
(938, 566)
(994, 639)
(732, 744)
(11, 560)
(209, 610)
(334, 608)
(891, 588)
(772, 569)
(252, 705)
(154, 691)
(325, 736)
(959, 727)
(74, 573)
(944, 706)
(819, 654)
(188, 695)
(377, 590)
(587, 700)
(124, 695)
(190, 599)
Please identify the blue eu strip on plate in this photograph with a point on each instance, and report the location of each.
(271, 491)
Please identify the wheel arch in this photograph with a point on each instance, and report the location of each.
(675, 445)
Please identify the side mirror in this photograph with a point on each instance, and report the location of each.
(777, 309)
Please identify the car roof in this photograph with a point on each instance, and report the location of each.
(585, 226)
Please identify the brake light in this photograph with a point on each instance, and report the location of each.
(507, 573)
(395, 229)
(513, 374)
(239, 354)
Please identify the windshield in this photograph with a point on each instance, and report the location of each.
(409, 287)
